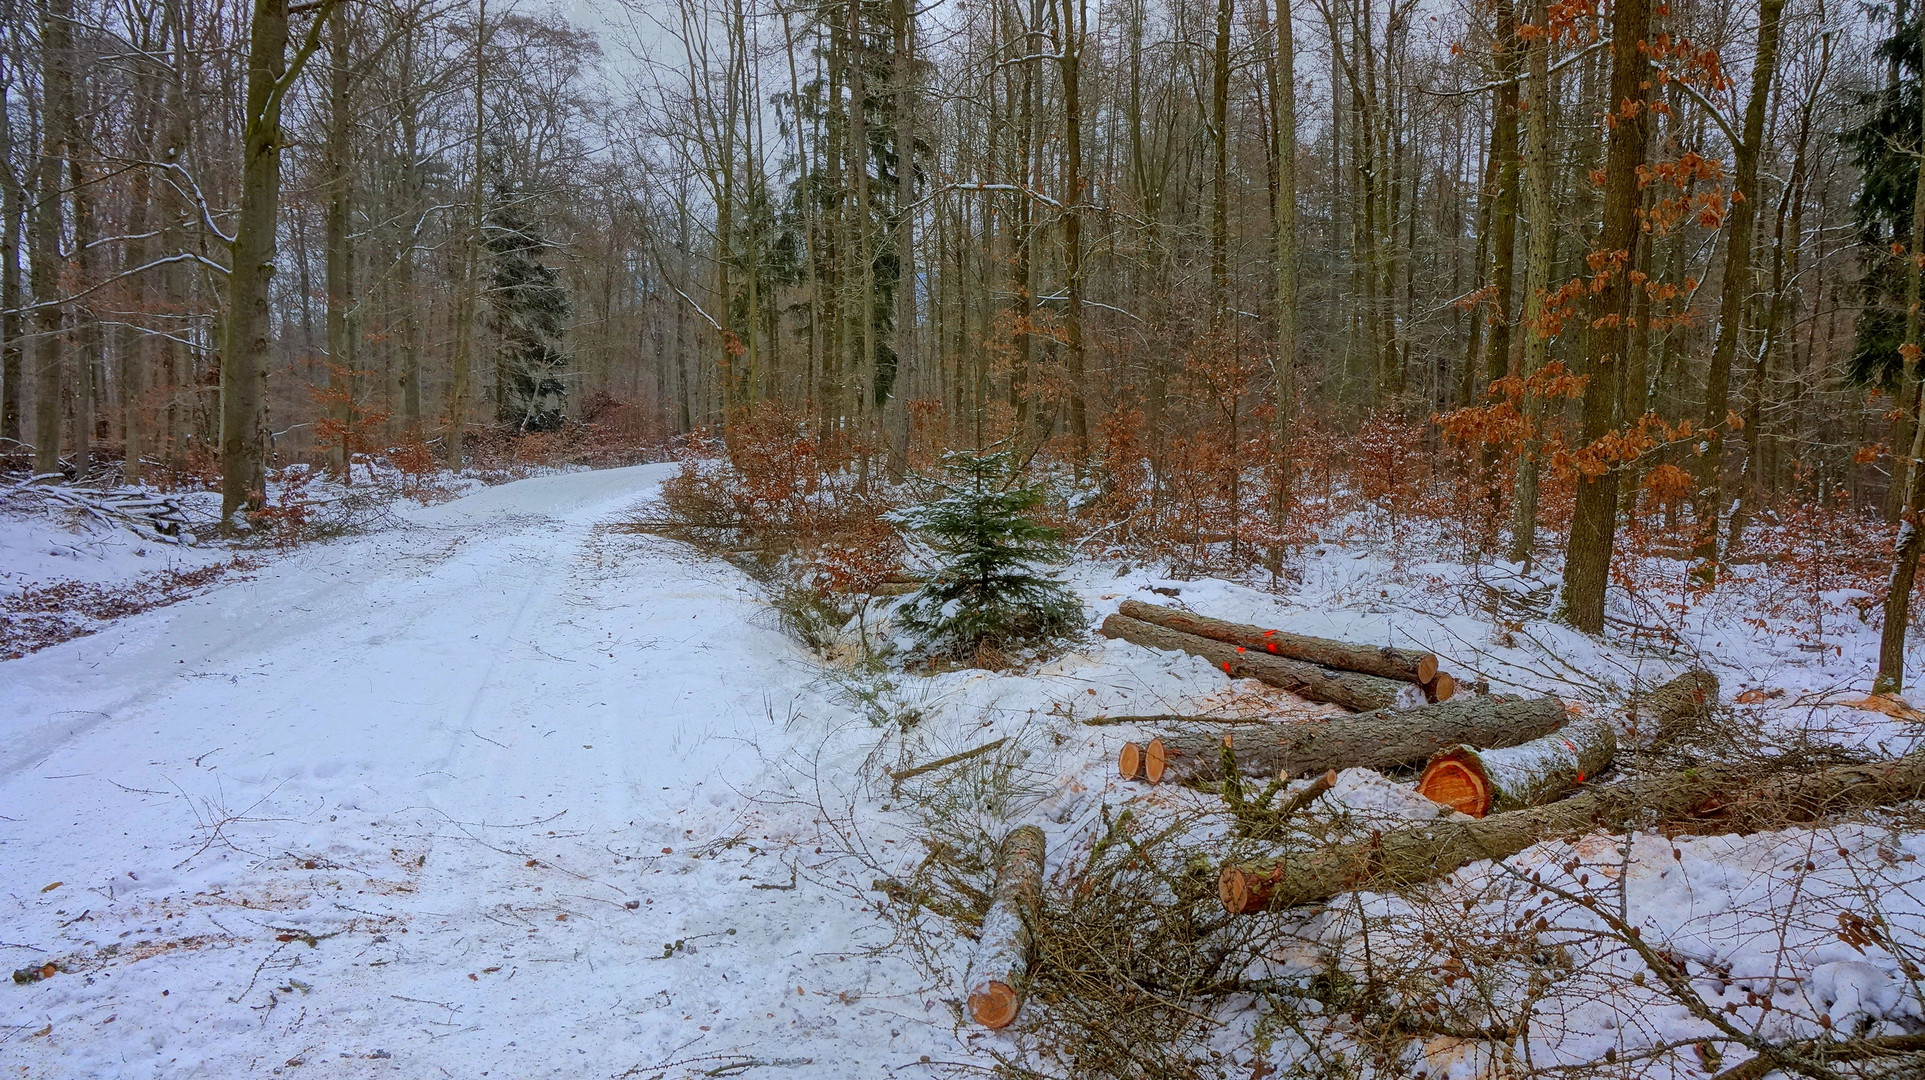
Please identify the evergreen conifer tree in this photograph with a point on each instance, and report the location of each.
(989, 591)
(1884, 146)
(529, 309)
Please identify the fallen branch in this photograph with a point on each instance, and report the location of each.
(1354, 691)
(1000, 972)
(1848, 1050)
(903, 774)
(1175, 718)
(1373, 740)
(1710, 799)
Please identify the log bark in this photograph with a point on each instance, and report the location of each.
(1373, 740)
(1352, 690)
(1477, 782)
(1663, 714)
(1000, 971)
(1706, 800)
(1404, 665)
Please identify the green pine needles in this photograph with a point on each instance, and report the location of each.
(989, 593)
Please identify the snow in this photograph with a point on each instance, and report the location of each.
(453, 752)
(503, 789)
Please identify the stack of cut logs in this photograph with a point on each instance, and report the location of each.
(1482, 754)
(1510, 764)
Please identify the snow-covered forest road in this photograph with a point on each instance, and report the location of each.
(489, 793)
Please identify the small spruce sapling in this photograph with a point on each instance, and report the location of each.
(989, 592)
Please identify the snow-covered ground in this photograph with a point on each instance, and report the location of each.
(503, 790)
(473, 796)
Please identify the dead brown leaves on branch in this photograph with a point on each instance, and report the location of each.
(778, 490)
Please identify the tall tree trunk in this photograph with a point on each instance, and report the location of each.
(12, 218)
(1736, 292)
(339, 166)
(1504, 137)
(907, 359)
(1075, 16)
(467, 297)
(1911, 531)
(863, 271)
(245, 348)
(87, 332)
(1283, 91)
(132, 343)
(1587, 561)
(1220, 170)
(1542, 250)
(56, 124)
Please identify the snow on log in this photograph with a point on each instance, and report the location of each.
(1662, 714)
(1350, 689)
(1477, 782)
(1373, 740)
(1404, 665)
(1001, 966)
(1707, 800)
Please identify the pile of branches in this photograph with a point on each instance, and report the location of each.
(150, 515)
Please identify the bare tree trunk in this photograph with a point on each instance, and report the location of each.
(339, 166)
(56, 126)
(1220, 170)
(1070, 59)
(1541, 251)
(1911, 531)
(12, 218)
(1733, 301)
(468, 296)
(1283, 91)
(133, 344)
(87, 331)
(907, 283)
(1587, 562)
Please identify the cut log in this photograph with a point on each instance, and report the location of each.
(1706, 800)
(1662, 714)
(1129, 761)
(1372, 740)
(1477, 782)
(1405, 665)
(1000, 971)
(1354, 691)
(1441, 688)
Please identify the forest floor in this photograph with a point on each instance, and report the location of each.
(503, 789)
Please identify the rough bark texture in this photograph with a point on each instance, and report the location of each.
(1407, 665)
(1373, 740)
(1660, 715)
(1594, 514)
(44, 233)
(1478, 781)
(1001, 967)
(1707, 800)
(1738, 279)
(1352, 690)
